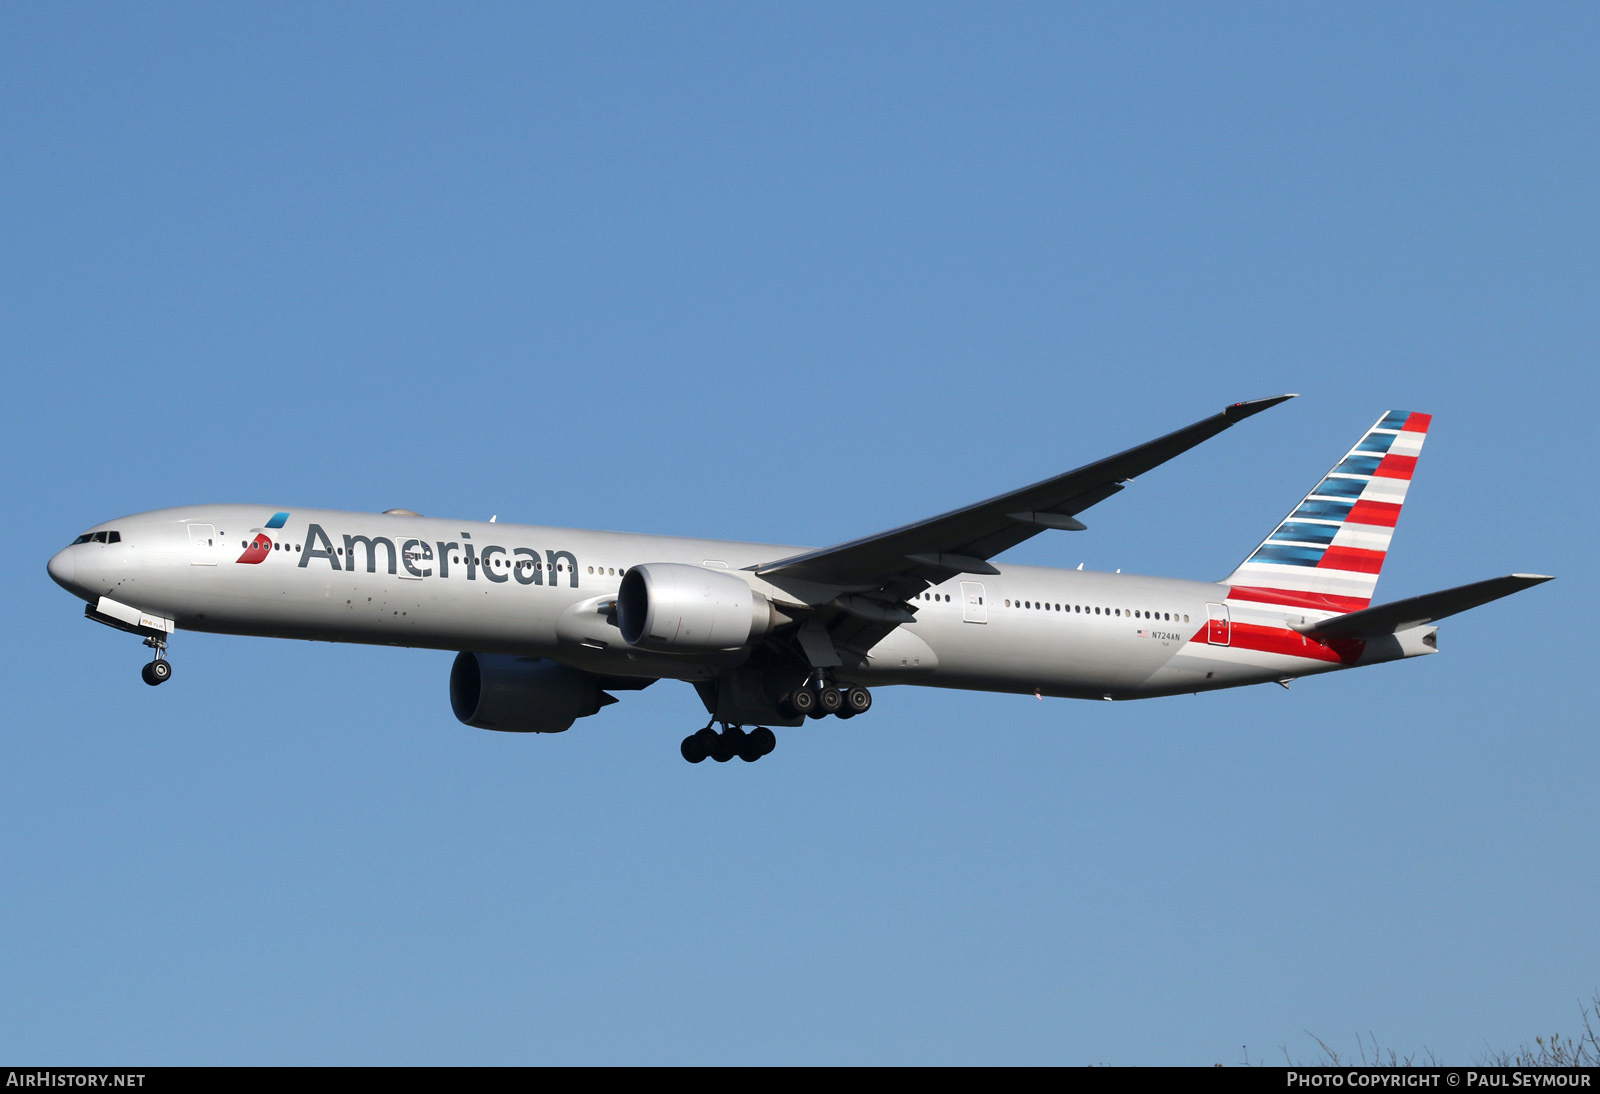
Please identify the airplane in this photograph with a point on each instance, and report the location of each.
(550, 621)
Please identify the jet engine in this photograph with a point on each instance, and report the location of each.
(521, 694)
(669, 607)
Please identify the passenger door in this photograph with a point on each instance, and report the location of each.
(973, 609)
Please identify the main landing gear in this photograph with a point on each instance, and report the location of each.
(816, 698)
(158, 671)
(732, 741)
(823, 699)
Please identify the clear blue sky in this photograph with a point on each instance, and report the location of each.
(796, 273)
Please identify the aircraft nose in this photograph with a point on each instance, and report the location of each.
(64, 568)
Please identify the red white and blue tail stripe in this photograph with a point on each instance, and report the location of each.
(1327, 554)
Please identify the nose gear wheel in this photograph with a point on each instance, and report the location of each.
(158, 671)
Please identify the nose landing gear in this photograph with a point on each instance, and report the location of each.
(158, 671)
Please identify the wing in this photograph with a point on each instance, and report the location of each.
(963, 540)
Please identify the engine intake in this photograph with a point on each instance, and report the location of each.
(669, 607)
(521, 694)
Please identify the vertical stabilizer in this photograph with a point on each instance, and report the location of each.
(1327, 554)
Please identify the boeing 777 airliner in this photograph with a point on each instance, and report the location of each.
(552, 620)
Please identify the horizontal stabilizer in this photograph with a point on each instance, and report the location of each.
(1419, 610)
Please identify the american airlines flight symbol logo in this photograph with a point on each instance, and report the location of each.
(260, 543)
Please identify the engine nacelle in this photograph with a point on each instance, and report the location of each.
(669, 607)
(521, 694)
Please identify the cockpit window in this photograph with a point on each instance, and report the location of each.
(99, 537)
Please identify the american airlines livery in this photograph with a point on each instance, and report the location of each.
(552, 620)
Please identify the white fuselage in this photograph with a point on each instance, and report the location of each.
(405, 580)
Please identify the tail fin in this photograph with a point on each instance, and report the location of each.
(1327, 554)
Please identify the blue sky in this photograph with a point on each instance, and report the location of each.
(796, 273)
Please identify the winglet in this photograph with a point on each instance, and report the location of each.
(1238, 412)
